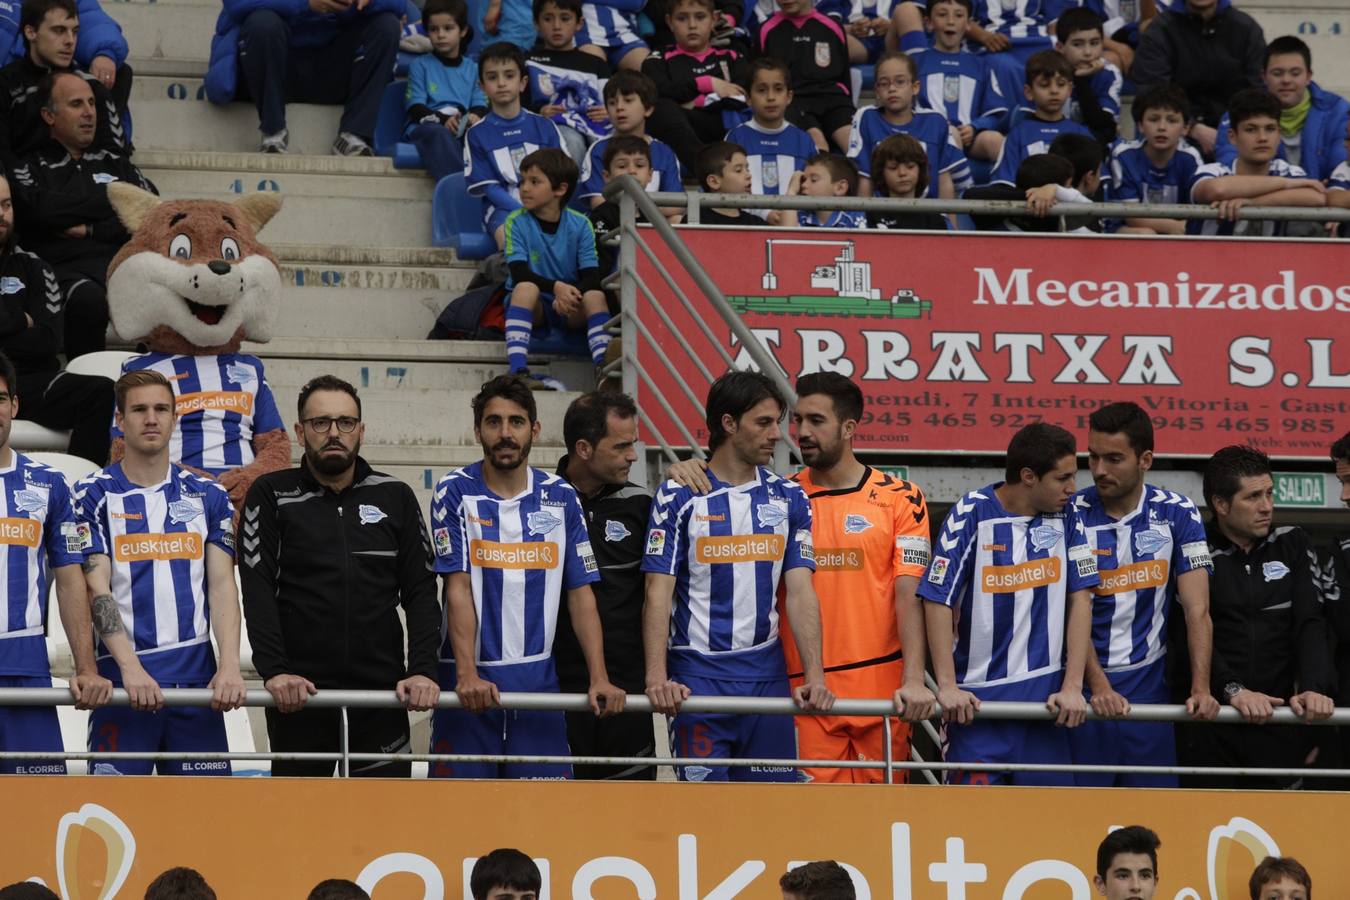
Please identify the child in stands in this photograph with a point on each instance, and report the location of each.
(625, 154)
(630, 98)
(700, 88)
(1085, 155)
(505, 136)
(816, 53)
(1158, 166)
(901, 167)
(956, 82)
(825, 175)
(774, 148)
(609, 31)
(1257, 177)
(723, 169)
(1096, 82)
(554, 271)
(1049, 83)
(567, 84)
(443, 97)
(896, 88)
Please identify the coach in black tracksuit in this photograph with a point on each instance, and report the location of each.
(1271, 643)
(328, 552)
(600, 429)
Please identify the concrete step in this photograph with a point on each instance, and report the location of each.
(323, 312)
(388, 376)
(167, 29)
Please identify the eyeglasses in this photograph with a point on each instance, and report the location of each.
(321, 424)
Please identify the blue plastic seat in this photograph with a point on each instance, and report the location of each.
(457, 220)
(389, 129)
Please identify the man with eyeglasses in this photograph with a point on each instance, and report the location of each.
(328, 552)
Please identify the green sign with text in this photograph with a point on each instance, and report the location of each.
(1299, 489)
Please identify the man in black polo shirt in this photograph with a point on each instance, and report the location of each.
(600, 431)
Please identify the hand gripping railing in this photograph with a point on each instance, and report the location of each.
(637, 703)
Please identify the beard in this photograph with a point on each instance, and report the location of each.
(332, 464)
(509, 464)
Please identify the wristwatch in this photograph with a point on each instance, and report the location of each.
(1232, 689)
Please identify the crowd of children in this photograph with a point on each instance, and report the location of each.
(971, 98)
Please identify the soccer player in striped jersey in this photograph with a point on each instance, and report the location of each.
(1151, 548)
(510, 539)
(1009, 611)
(160, 570)
(714, 564)
(39, 532)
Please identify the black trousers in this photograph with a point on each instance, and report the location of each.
(81, 404)
(319, 731)
(687, 131)
(627, 734)
(1244, 746)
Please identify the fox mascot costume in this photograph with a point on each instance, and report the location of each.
(192, 284)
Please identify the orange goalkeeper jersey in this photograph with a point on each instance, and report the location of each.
(865, 537)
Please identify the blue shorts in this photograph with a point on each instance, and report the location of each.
(29, 729)
(552, 321)
(1109, 743)
(174, 729)
(725, 736)
(502, 732)
(494, 218)
(1003, 741)
(875, 45)
(610, 29)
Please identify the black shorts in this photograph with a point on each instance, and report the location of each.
(627, 734)
(828, 112)
(319, 731)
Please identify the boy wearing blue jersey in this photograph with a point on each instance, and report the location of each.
(554, 271)
(160, 570)
(955, 81)
(714, 563)
(775, 149)
(1151, 549)
(1009, 611)
(897, 86)
(443, 97)
(609, 31)
(1096, 82)
(630, 99)
(825, 175)
(510, 539)
(1156, 167)
(567, 84)
(1048, 86)
(494, 146)
(42, 534)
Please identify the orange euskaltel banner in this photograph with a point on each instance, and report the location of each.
(94, 838)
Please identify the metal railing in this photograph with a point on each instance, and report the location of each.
(345, 700)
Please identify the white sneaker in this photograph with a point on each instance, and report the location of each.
(276, 143)
(348, 144)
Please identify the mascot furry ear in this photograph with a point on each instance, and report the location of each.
(191, 285)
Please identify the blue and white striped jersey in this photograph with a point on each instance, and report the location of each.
(1243, 227)
(1016, 18)
(607, 26)
(959, 86)
(157, 537)
(728, 550)
(665, 170)
(1139, 558)
(221, 402)
(494, 147)
(37, 526)
(773, 155)
(1135, 179)
(1106, 84)
(929, 128)
(1007, 579)
(521, 553)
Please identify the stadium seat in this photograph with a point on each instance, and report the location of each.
(389, 129)
(457, 220)
(107, 363)
(28, 436)
(73, 468)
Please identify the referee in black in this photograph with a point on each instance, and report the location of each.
(600, 431)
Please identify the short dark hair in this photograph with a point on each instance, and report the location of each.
(627, 81)
(707, 4)
(34, 11)
(27, 890)
(455, 9)
(503, 867)
(1161, 96)
(1043, 168)
(339, 888)
(556, 166)
(325, 383)
(129, 381)
(1131, 839)
(1127, 418)
(735, 394)
(1225, 470)
(47, 86)
(587, 419)
(899, 56)
(502, 51)
(1283, 46)
(928, 10)
(1082, 152)
(1037, 447)
(625, 145)
(1252, 103)
(1047, 64)
(841, 168)
(180, 883)
(1072, 21)
(9, 375)
(768, 64)
(845, 396)
(1273, 867)
(899, 148)
(822, 880)
(537, 8)
(1340, 451)
(508, 387)
(713, 160)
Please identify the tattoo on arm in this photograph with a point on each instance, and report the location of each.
(107, 619)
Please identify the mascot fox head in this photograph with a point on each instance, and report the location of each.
(193, 279)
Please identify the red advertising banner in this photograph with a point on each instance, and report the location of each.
(960, 339)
